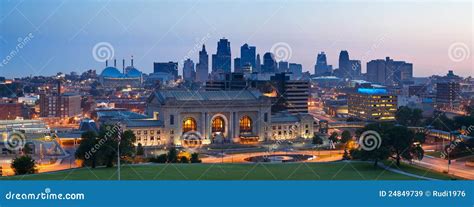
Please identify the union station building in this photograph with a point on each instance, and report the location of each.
(189, 118)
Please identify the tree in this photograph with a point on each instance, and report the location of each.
(87, 151)
(23, 165)
(377, 154)
(346, 136)
(160, 159)
(140, 149)
(400, 140)
(317, 139)
(408, 117)
(403, 115)
(183, 159)
(172, 155)
(195, 158)
(333, 137)
(27, 149)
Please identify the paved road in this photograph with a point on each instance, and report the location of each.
(456, 168)
(321, 156)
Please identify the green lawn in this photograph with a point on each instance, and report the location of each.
(293, 171)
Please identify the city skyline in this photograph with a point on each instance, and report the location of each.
(62, 40)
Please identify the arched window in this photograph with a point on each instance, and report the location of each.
(245, 124)
(189, 124)
(218, 124)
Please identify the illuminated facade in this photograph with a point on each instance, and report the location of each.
(207, 117)
(372, 104)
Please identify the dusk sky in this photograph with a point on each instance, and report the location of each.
(64, 33)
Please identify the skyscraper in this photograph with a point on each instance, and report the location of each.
(202, 68)
(389, 72)
(269, 63)
(344, 65)
(283, 67)
(258, 65)
(321, 68)
(169, 67)
(188, 70)
(296, 69)
(247, 55)
(221, 61)
(237, 65)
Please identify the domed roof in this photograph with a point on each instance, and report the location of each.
(133, 72)
(111, 72)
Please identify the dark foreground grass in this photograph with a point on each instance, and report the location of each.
(293, 171)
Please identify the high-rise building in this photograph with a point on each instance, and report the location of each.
(169, 67)
(447, 95)
(247, 55)
(202, 68)
(322, 68)
(269, 63)
(293, 95)
(296, 69)
(373, 104)
(356, 69)
(283, 67)
(389, 72)
(344, 65)
(258, 65)
(237, 65)
(189, 74)
(221, 61)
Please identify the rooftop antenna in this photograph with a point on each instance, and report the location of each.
(115, 63)
(123, 65)
(132, 61)
(106, 63)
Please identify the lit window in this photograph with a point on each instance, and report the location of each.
(245, 124)
(189, 124)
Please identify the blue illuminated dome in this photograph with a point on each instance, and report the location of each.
(133, 72)
(111, 72)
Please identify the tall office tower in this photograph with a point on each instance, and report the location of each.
(247, 55)
(237, 65)
(258, 64)
(447, 95)
(389, 72)
(344, 65)
(169, 67)
(296, 69)
(202, 68)
(292, 95)
(283, 67)
(221, 61)
(321, 68)
(269, 63)
(356, 69)
(189, 74)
